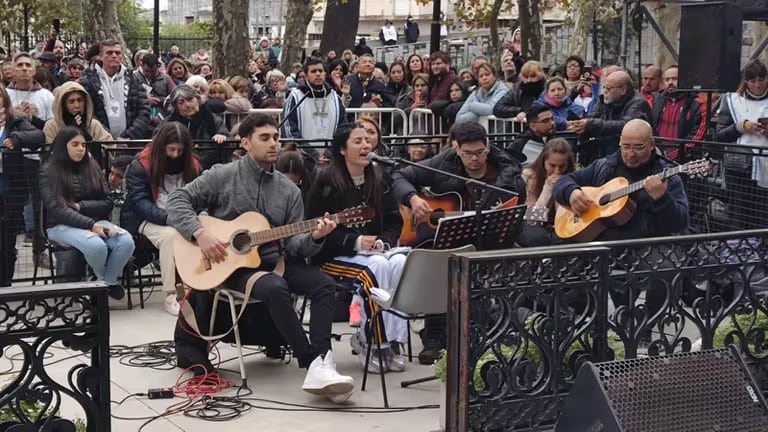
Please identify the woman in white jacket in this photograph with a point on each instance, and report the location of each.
(481, 102)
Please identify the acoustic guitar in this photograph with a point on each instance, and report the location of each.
(243, 237)
(419, 231)
(612, 204)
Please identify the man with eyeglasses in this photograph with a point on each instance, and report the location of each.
(662, 206)
(541, 128)
(472, 156)
(618, 104)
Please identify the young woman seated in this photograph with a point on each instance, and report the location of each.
(555, 160)
(75, 195)
(164, 165)
(353, 254)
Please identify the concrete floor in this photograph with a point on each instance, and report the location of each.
(269, 379)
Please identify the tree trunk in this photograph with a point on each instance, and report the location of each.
(106, 25)
(495, 54)
(585, 14)
(231, 48)
(668, 17)
(531, 28)
(340, 25)
(299, 14)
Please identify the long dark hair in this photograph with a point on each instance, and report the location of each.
(342, 180)
(170, 133)
(555, 145)
(61, 169)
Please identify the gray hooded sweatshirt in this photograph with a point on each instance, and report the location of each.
(227, 191)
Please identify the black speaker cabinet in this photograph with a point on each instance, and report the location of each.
(703, 391)
(710, 46)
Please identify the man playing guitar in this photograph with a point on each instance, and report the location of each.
(471, 157)
(662, 206)
(252, 184)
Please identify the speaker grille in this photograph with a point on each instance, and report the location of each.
(701, 391)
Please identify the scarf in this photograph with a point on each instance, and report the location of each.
(552, 102)
(756, 97)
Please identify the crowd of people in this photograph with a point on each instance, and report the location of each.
(179, 103)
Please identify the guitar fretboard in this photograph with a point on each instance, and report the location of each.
(636, 186)
(261, 237)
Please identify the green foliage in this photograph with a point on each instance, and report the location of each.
(32, 411)
(758, 322)
(132, 19)
(531, 353)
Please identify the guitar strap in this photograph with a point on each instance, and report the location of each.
(189, 314)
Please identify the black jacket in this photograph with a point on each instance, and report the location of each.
(136, 106)
(515, 101)
(518, 145)
(93, 207)
(361, 94)
(411, 31)
(409, 180)
(23, 135)
(665, 216)
(361, 50)
(692, 121)
(607, 121)
(139, 204)
(325, 197)
(203, 126)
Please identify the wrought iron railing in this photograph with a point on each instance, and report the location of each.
(32, 320)
(527, 319)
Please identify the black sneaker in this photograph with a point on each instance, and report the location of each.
(117, 292)
(430, 353)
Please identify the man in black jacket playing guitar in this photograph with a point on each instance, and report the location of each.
(472, 157)
(252, 184)
(662, 206)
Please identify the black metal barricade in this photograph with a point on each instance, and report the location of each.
(32, 320)
(523, 321)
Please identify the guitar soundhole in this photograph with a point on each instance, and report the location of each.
(605, 199)
(241, 242)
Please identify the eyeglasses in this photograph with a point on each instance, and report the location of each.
(573, 66)
(635, 147)
(470, 154)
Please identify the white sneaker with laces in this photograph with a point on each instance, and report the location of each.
(323, 380)
(171, 305)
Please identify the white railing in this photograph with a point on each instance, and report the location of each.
(425, 121)
(382, 116)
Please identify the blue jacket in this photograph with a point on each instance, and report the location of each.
(561, 113)
(479, 105)
(667, 215)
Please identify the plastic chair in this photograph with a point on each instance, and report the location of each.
(422, 291)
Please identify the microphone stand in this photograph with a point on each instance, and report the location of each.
(478, 188)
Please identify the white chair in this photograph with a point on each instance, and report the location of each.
(235, 299)
(422, 291)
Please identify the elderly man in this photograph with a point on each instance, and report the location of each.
(662, 206)
(618, 104)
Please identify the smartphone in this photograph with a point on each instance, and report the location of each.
(586, 70)
(417, 97)
(57, 25)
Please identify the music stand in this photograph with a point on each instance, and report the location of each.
(498, 229)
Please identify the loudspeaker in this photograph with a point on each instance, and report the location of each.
(710, 46)
(699, 391)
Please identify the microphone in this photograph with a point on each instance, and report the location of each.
(373, 157)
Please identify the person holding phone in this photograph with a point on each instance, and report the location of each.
(77, 204)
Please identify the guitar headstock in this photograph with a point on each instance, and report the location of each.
(355, 216)
(697, 168)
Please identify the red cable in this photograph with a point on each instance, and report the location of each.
(201, 385)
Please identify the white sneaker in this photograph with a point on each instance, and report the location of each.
(323, 380)
(171, 305)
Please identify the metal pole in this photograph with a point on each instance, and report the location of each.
(156, 29)
(25, 45)
(624, 26)
(434, 37)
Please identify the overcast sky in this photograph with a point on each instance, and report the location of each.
(150, 3)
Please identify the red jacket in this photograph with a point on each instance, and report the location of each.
(440, 89)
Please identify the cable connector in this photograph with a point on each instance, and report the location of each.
(160, 393)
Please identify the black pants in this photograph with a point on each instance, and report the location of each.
(275, 292)
(10, 220)
(32, 174)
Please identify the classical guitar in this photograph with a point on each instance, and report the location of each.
(243, 236)
(418, 231)
(612, 204)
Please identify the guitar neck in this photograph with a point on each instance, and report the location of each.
(285, 231)
(636, 186)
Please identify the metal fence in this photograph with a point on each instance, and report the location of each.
(527, 319)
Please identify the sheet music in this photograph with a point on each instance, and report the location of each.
(388, 253)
